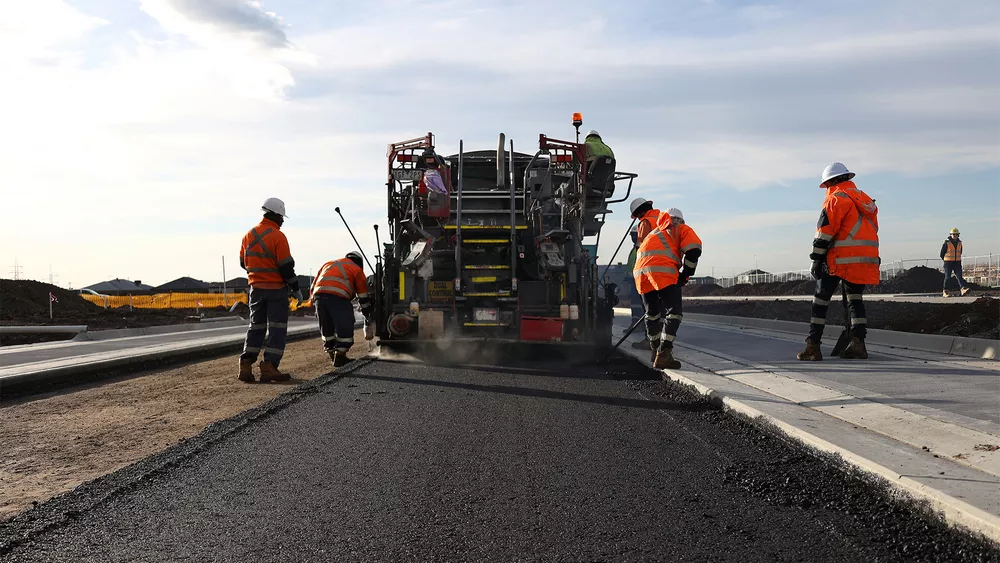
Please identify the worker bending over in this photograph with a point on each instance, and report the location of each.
(951, 253)
(659, 276)
(642, 211)
(333, 290)
(270, 269)
(845, 250)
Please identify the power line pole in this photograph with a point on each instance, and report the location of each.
(17, 270)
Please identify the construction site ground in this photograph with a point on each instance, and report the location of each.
(53, 443)
(395, 460)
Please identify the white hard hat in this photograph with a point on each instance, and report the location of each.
(274, 205)
(354, 257)
(636, 204)
(676, 213)
(834, 170)
(594, 132)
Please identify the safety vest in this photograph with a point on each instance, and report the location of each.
(597, 148)
(342, 278)
(659, 257)
(647, 223)
(954, 253)
(853, 232)
(265, 251)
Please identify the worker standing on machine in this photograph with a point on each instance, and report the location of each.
(334, 288)
(596, 147)
(270, 269)
(643, 212)
(845, 250)
(659, 276)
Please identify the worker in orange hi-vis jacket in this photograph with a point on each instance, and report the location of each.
(659, 276)
(333, 290)
(845, 250)
(270, 269)
(643, 212)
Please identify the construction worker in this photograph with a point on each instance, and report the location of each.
(643, 212)
(270, 269)
(635, 301)
(596, 147)
(951, 253)
(334, 288)
(659, 276)
(845, 250)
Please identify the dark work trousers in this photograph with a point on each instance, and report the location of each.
(268, 315)
(825, 289)
(663, 316)
(336, 322)
(953, 267)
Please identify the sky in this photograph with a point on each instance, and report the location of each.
(140, 137)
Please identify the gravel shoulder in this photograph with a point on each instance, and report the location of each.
(53, 443)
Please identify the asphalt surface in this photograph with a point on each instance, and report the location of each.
(398, 461)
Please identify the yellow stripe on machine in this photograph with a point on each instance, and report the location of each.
(486, 241)
(490, 227)
(484, 279)
(402, 286)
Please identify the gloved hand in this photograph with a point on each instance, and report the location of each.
(298, 297)
(683, 279)
(818, 269)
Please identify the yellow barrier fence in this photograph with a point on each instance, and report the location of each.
(176, 301)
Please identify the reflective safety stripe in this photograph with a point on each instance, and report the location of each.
(258, 239)
(857, 260)
(285, 261)
(817, 321)
(818, 250)
(647, 253)
(261, 270)
(258, 326)
(818, 301)
(852, 242)
(676, 317)
(347, 339)
(277, 351)
(823, 236)
(854, 297)
(690, 247)
(861, 321)
(326, 338)
(278, 325)
(362, 296)
(855, 229)
(656, 270)
(841, 194)
(690, 264)
(667, 337)
(655, 317)
(254, 349)
(333, 289)
(343, 279)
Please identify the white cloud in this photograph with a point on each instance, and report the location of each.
(192, 129)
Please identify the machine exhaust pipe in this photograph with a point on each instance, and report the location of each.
(501, 163)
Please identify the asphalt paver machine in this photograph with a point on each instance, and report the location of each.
(490, 247)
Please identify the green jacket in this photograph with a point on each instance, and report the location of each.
(631, 260)
(596, 148)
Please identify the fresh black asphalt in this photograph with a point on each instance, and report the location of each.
(395, 461)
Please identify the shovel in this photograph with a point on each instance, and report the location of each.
(845, 337)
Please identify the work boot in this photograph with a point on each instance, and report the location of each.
(269, 372)
(644, 343)
(246, 371)
(856, 351)
(944, 293)
(812, 353)
(340, 359)
(664, 359)
(965, 290)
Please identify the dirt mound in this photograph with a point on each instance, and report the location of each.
(700, 289)
(980, 319)
(28, 300)
(920, 279)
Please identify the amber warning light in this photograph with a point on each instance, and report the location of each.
(578, 119)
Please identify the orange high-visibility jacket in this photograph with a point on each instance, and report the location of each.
(266, 257)
(342, 278)
(847, 235)
(660, 255)
(647, 223)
